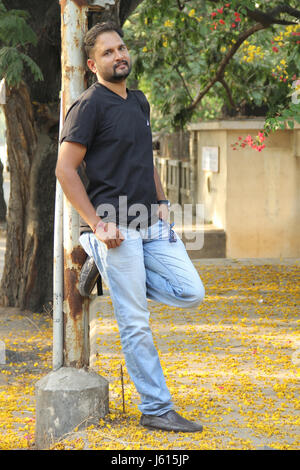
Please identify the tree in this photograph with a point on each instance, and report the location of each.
(189, 53)
(29, 38)
(158, 33)
(30, 60)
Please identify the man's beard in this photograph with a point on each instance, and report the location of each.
(119, 76)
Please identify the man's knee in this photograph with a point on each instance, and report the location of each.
(195, 295)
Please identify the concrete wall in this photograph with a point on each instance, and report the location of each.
(255, 196)
(212, 187)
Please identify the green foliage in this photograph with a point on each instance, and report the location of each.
(15, 35)
(178, 51)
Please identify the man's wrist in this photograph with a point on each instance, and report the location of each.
(164, 201)
(98, 224)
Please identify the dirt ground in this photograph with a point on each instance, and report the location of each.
(231, 364)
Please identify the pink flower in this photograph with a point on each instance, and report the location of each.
(220, 10)
(275, 49)
(213, 14)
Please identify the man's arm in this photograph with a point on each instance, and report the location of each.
(70, 157)
(159, 189)
(163, 210)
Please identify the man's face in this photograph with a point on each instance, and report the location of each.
(110, 58)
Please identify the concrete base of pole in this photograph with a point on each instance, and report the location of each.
(65, 399)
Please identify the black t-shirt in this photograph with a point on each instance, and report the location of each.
(119, 156)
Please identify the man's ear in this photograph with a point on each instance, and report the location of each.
(92, 65)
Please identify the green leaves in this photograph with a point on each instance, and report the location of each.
(12, 63)
(179, 51)
(15, 35)
(285, 117)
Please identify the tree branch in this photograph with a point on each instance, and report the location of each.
(268, 18)
(183, 81)
(285, 9)
(228, 92)
(220, 72)
(181, 7)
(126, 8)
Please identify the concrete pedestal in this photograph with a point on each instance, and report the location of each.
(68, 398)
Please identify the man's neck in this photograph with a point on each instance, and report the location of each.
(118, 88)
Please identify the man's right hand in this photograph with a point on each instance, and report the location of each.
(109, 234)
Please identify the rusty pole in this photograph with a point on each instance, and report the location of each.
(74, 25)
(75, 337)
(58, 274)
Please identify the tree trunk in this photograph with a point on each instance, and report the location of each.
(32, 116)
(2, 200)
(32, 139)
(27, 276)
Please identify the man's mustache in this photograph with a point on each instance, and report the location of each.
(121, 63)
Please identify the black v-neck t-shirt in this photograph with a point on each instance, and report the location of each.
(119, 156)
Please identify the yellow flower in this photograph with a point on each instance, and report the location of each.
(168, 24)
(192, 12)
(145, 49)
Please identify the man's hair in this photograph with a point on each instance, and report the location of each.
(95, 31)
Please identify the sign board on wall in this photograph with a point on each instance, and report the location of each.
(210, 159)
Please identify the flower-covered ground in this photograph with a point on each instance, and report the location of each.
(232, 364)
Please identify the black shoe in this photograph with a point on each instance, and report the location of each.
(89, 275)
(170, 421)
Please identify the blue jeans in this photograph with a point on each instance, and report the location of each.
(145, 265)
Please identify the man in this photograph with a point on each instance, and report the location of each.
(126, 231)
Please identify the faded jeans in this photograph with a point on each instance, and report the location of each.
(145, 265)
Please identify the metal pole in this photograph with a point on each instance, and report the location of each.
(58, 278)
(76, 344)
